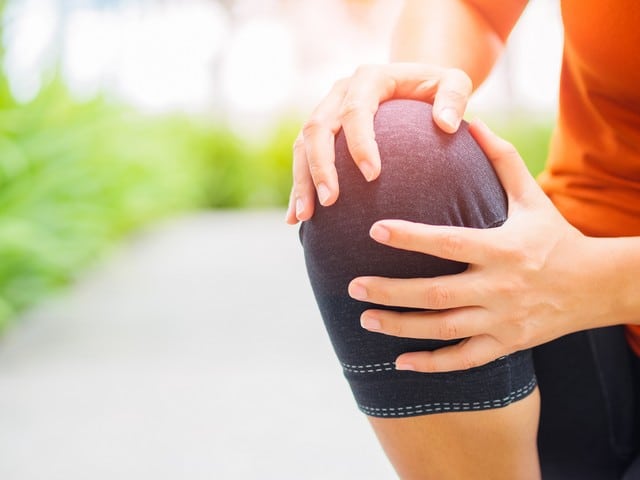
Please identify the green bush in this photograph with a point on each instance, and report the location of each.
(529, 136)
(76, 177)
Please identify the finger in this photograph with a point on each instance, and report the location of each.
(437, 293)
(415, 81)
(303, 188)
(509, 166)
(290, 216)
(319, 139)
(448, 325)
(462, 244)
(468, 353)
(369, 86)
(451, 99)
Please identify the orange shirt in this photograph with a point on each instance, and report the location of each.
(593, 173)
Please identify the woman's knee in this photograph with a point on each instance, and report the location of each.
(427, 176)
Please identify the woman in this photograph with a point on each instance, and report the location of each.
(548, 290)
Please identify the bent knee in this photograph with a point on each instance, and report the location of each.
(427, 176)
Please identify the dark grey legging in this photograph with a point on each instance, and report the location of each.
(436, 178)
(430, 177)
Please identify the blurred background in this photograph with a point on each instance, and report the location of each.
(145, 150)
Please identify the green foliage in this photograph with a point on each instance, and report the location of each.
(75, 177)
(530, 137)
(273, 165)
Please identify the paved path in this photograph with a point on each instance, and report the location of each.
(196, 352)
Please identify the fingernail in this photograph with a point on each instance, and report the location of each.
(299, 207)
(323, 193)
(404, 366)
(380, 233)
(450, 117)
(368, 171)
(370, 323)
(357, 291)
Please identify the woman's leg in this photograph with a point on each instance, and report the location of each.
(479, 423)
(489, 444)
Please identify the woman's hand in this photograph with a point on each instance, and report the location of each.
(531, 280)
(351, 105)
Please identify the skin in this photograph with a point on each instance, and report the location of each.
(522, 287)
(495, 444)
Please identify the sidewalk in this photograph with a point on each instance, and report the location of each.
(196, 352)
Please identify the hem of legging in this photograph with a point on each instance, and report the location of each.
(442, 407)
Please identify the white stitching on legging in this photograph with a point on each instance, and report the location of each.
(369, 368)
(448, 406)
(378, 367)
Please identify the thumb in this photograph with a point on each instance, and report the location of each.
(509, 166)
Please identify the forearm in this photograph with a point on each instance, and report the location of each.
(468, 35)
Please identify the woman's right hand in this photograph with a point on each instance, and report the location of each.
(351, 105)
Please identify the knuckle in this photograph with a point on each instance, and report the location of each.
(532, 264)
(527, 259)
(350, 108)
(311, 126)
(437, 296)
(448, 329)
(493, 249)
(427, 365)
(300, 180)
(384, 297)
(316, 170)
(298, 143)
(381, 295)
(514, 252)
(467, 362)
(521, 342)
(507, 288)
(508, 150)
(455, 96)
(450, 244)
(517, 255)
(462, 78)
(397, 328)
(359, 148)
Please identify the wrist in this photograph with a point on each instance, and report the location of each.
(617, 264)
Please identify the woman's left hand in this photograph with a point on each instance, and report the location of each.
(531, 280)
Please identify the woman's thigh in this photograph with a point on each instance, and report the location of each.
(486, 444)
(429, 424)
